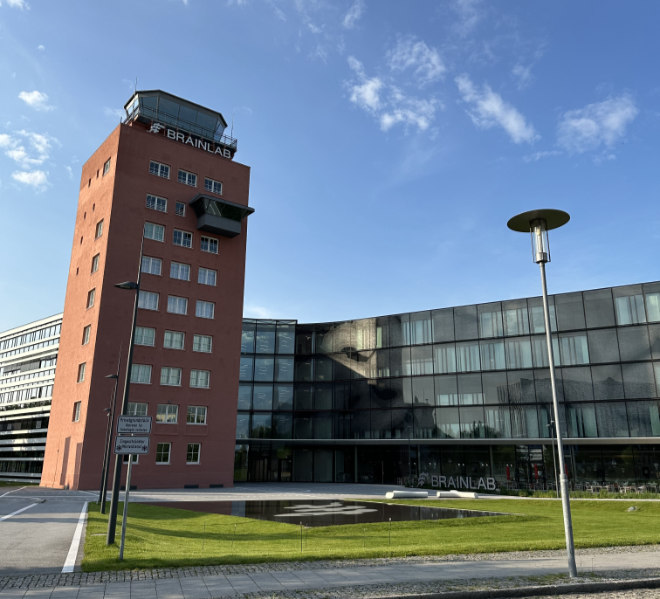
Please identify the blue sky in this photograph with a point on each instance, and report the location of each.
(389, 141)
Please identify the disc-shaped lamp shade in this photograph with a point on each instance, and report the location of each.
(553, 219)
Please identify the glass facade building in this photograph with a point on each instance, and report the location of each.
(456, 395)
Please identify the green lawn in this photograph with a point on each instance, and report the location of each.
(162, 537)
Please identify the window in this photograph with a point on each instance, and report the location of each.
(196, 415)
(208, 244)
(177, 305)
(630, 309)
(81, 372)
(141, 374)
(147, 300)
(156, 203)
(167, 413)
(90, 297)
(154, 231)
(180, 271)
(180, 209)
(187, 178)
(170, 376)
(204, 309)
(202, 343)
(95, 262)
(99, 229)
(145, 336)
(192, 453)
(174, 340)
(163, 453)
(213, 186)
(207, 276)
(152, 266)
(87, 331)
(200, 379)
(136, 408)
(182, 238)
(76, 411)
(158, 169)
(106, 166)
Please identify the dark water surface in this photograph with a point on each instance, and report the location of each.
(324, 512)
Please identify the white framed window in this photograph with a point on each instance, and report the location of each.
(90, 297)
(203, 343)
(152, 266)
(163, 453)
(154, 231)
(213, 186)
(99, 229)
(177, 305)
(87, 332)
(147, 300)
(136, 408)
(156, 203)
(141, 374)
(106, 166)
(145, 336)
(196, 415)
(180, 271)
(207, 276)
(209, 244)
(76, 411)
(174, 340)
(192, 453)
(170, 376)
(182, 238)
(187, 178)
(159, 169)
(167, 413)
(204, 309)
(81, 372)
(95, 262)
(200, 379)
(180, 209)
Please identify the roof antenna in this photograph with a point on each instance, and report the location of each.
(135, 86)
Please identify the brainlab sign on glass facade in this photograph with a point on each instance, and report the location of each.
(195, 142)
(438, 481)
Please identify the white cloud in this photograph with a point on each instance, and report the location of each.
(596, 125)
(114, 113)
(365, 93)
(18, 4)
(41, 48)
(37, 179)
(253, 311)
(414, 55)
(522, 75)
(354, 14)
(388, 102)
(536, 156)
(35, 99)
(26, 148)
(487, 109)
(469, 15)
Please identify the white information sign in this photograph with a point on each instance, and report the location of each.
(134, 425)
(134, 445)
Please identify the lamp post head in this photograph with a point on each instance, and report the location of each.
(538, 223)
(127, 285)
(111, 376)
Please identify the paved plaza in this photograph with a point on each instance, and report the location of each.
(30, 571)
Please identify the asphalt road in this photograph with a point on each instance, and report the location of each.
(38, 529)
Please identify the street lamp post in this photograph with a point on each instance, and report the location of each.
(538, 223)
(108, 434)
(116, 481)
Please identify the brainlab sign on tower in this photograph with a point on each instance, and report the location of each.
(188, 139)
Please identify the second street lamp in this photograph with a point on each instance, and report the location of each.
(538, 223)
(108, 438)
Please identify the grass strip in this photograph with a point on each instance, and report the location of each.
(169, 537)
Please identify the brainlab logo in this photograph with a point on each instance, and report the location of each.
(195, 142)
(329, 509)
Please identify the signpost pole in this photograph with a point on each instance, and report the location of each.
(125, 515)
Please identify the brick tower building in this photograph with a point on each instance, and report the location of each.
(164, 180)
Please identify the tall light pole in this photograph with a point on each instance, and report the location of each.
(116, 481)
(108, 436)
(538, 223)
